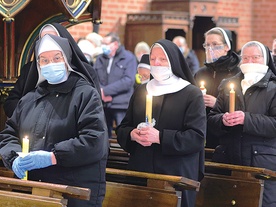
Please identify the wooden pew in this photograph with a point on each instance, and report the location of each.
(232, 185)
(223, 184)
(21, 193)
(160, 190)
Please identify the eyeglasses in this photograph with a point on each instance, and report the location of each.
(45, 61)
(246, 58)
(213, 46)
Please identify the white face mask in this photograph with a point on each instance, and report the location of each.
(253, 73)
(161, 73)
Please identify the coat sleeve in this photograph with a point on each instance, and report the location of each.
(214, 119)
(10, 142)
(125, 127)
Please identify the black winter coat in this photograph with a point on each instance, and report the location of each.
(212, 74)
(254, 143)
(244, 143)
(67, 119)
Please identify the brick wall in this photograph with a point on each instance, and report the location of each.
(256, 18)
(113, 15)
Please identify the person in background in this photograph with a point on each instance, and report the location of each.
(96, 41)
(116, 69)
(140, 49)
(21, 88)
(221, 62)
(189, 54)
(248, 135)
(174, 143)
(86, 47)
(143, 70)
(64, 121)
(274, 51)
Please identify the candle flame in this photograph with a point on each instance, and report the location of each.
(232, 86)
(202, 83)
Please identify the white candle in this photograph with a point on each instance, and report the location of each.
(232, 98)
(149, 108)
(25, 150)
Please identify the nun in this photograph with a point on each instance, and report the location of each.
(173, 142)
(248, 135)
(64, 120)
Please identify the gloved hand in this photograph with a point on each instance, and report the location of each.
(36, 160)
(17, 168)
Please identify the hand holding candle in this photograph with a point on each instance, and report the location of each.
(202, 88)
(149, 108)
(232, 99)
(25, 150)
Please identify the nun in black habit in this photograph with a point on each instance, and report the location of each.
(65, 123)
(29, 78)
(174, 143)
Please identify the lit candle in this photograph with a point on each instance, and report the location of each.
(25, 150)
(202, 88)
(149, 108)
(232, 99)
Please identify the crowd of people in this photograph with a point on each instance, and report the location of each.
(73, 97)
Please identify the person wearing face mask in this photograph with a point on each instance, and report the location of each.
(116, 69)
(173, 144)
(221, 62)
(65, 123)
(143, 70)
(23, 86)
(189, 54)
(248, 135)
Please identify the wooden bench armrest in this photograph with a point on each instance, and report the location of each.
(177, 181)
(33, 186)
(260, 173)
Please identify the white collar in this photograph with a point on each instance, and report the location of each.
(171, 85)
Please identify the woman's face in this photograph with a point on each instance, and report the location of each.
(214, 47)
(158, 57)
(252, 55)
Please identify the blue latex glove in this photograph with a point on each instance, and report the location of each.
(36, 160)
(17, 168)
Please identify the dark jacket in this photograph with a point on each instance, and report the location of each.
(254, 143)
(120, 81)
(212, 74)
(67, 119)
(192, 62)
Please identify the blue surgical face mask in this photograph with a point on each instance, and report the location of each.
(182, 50)
(106, 50)
(54, 73)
